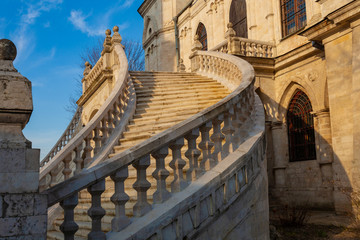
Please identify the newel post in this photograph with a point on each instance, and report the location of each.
(23, 211)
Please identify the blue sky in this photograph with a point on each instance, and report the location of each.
(50, 36)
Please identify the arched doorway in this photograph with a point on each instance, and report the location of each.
(201, 32)
(238, 17)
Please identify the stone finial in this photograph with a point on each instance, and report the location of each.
(87, 69)
(230, 31)
(7, 50)
(197, 44)
(107, 42)
(15, 90)
(116, 38)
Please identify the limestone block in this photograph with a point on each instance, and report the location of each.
(32, 159)
(169, 232)
(187, 224)
(32, 237)
(19, 205)
(40, 204)
(12, 160)
(18, 226)
(20, 182)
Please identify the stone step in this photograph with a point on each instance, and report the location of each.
(175, 90)
(178, 84)
(172, 81)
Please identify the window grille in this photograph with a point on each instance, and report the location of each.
(300, 124)
(293, 16)
(201, 32)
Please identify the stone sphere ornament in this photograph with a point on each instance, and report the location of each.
(7, 50)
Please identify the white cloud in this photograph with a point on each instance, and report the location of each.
(25, 39)
(78, 19)
(127, 3)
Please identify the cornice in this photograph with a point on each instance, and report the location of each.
(144, 7)
(333, 22)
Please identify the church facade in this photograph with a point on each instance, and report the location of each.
(306, 57)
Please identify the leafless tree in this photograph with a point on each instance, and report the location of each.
(134, 53)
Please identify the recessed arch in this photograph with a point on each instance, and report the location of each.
(201, 32)
(238, 17)
(300, 125)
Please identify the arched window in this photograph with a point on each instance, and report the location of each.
(293, 15)
(201, 32)
(238, 17)
(300, 124)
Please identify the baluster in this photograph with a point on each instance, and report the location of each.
(69, 226)
(242, 48)
(116, 113)
(119, 198)
(141, 186)
(110, 123)
(104, 130)
(206, 145)
(236, 121)
(160, 174)
(54, 173)
(265, 51)
(177, 164)
(88, 148)
(247, 49)
(193, 155)
(96, 212)
(254, 51)
(97, 139)
(217, 137)
(259, 50)
(67, 171)
(78, 159)
(228, 131)
(270, 51)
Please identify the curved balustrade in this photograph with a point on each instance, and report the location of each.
(96, 139)
(222, 128)
(68, 134)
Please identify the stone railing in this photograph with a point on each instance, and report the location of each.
(96, 139)
(244, 46)
(68, 134)
(223, 128)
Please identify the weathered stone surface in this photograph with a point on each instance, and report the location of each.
(19, 205)
(22, 226)
(12, 160)
(40, 204)
(7, 50)
(20, 182)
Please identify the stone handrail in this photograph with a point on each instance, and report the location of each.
(94, 139)
(223, 127)
(221, 47)
(68, 134)
(244, 46)
(250, 48)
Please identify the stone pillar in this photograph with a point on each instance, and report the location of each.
(356, 107)
(23, 211)
(324, 147)
(338, 51)
(279, 158)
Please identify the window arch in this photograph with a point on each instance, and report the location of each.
(293, 16)
(201, 32)
(238, 17)
(300, 122)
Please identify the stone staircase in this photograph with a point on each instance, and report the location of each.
(163, 100)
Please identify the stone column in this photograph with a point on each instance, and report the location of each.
(23, 211)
